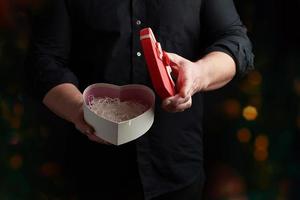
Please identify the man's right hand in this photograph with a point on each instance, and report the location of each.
(66, 101)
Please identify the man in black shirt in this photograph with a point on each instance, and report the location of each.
(76, 43)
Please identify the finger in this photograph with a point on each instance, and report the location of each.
(175, 100)
(95, 138)
(184, 85)
(171, 104)
(168, 108)
(178, 108)
(88, 130)
(183, 106)
(183, 82)
(85, 128)
(185, 89)
(176, 59)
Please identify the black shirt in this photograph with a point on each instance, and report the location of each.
(90, 41)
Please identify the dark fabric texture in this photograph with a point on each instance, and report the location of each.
(85, 42)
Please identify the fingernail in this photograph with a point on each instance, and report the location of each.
(88, 132)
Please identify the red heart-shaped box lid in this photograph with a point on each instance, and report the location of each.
(160, 76)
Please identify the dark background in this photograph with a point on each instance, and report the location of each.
(251, 125)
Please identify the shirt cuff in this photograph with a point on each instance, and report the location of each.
(51, 81)
(241, 54)
(44, 74)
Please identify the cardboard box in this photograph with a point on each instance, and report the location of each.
(119, 133)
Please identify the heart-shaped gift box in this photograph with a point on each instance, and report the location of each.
(118, 133)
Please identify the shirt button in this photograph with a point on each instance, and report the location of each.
(138, 54)
(138, 22)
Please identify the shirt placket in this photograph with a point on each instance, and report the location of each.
(139, 71)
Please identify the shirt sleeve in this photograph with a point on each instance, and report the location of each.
(46, 65)
(226, 33)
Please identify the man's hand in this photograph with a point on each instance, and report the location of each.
(83, 127)
(66, 101)
(211, 72)
(188, 83)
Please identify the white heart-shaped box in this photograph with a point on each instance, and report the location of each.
(118, 133)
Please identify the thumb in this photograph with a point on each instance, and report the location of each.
(84, 127)
(184, 85)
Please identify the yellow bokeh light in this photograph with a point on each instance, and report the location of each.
(244, 135)
(16, 162)
(250, 113)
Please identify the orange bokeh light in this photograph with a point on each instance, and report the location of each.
(297, 86)
(50, 169)
(18, 109)
(232, 108)
(261, 155)
(254, 78)
(261, 145)
(250, 113)
(16, 162)
(261, 142)
(244, 135)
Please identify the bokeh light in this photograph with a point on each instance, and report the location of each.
(244, 135)
(254, 78)
(50, 169)
(6, 18)
(261, 145)
(226, 184)
(18, 109)
(250, 113)
(16, 161)
(15, 140)
(232, 108)
(261, 142)
(297, 86)
(260, 155)
(15, 122)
